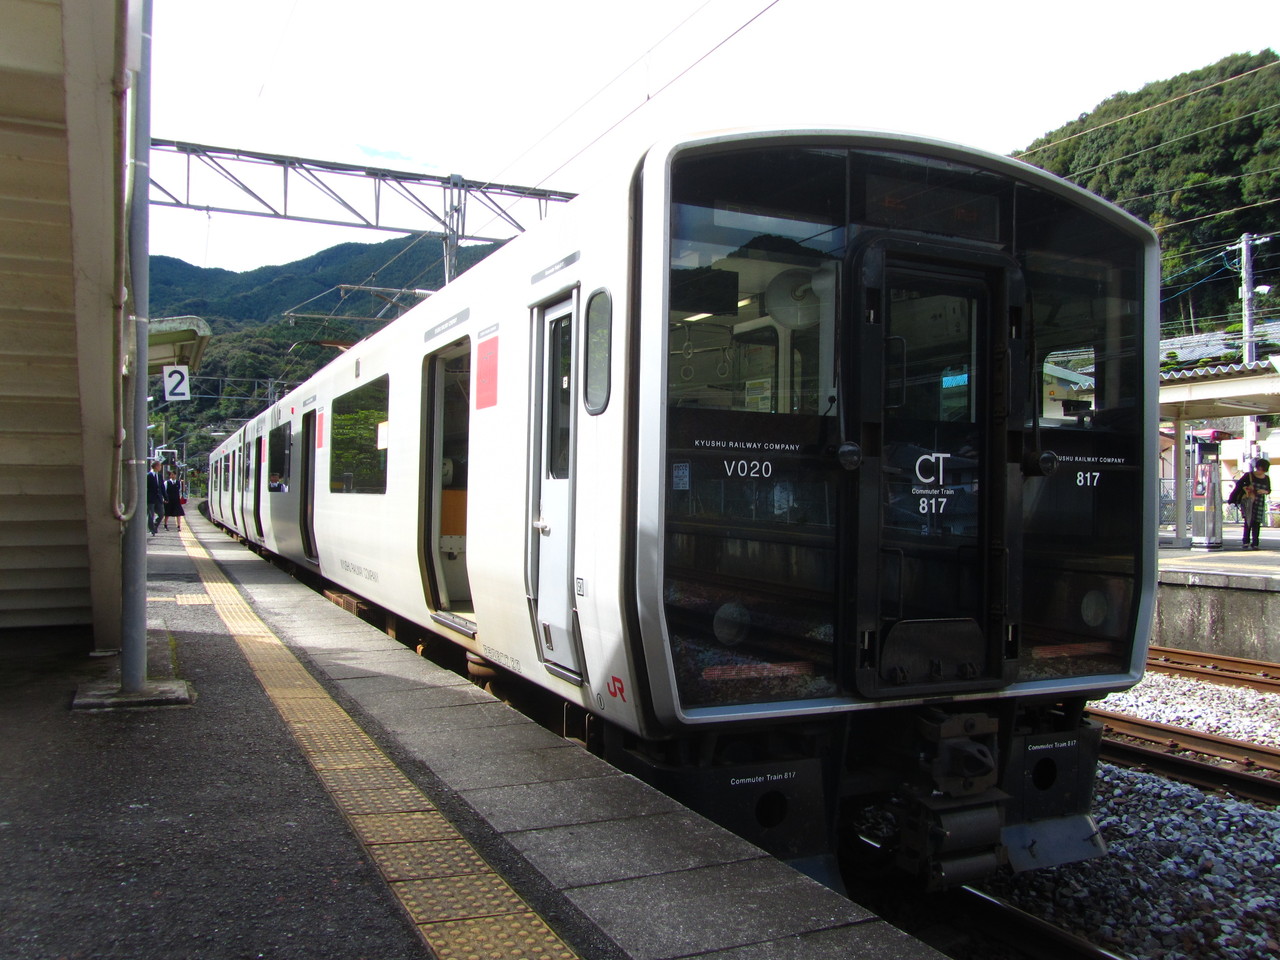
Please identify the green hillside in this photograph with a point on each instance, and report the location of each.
(232, 300)
(1197, 157)
(256, 349)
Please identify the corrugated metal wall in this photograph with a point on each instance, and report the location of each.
(59, 547)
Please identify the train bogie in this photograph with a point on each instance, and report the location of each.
(794, 458)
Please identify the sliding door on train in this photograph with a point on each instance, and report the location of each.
(550, 544)
(446, 443)
(311, 438)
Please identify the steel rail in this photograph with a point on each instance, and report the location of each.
(1182, 738)
(1198, 773)
(1032, 936)
(1164, 739)
(1233, 671)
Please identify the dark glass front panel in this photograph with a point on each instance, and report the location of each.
(934, 438)
(750, 555)
(1081, 525)
(752, 493)
(777, 316)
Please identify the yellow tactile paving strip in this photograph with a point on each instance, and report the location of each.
(461, 907)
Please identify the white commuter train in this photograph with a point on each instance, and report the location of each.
(817, 466)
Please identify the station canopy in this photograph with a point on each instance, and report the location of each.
(1218, 392)
(176, 341)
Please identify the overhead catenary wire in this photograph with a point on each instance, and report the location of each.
(1185, 188)
(1219, 213)
(1165, 143)
(600, 91)
(1079, 175)
(1216, 245)
(666, 86)
(1154, 106)
(648, 99)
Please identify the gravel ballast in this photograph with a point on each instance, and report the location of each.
(1189, 874)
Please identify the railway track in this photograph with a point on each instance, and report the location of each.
(1035, 938)
(966, 922)
(1234, 671)
(1189, 756)
(1208, 761)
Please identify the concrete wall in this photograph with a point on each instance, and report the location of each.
(1230, 614)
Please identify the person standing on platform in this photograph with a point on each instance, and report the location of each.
(173, 501)
(1251, 492)
(155, 497)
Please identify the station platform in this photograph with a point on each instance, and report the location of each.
(328, 793)
(1249, 569)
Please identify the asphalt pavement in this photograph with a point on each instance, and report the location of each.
(172, 832)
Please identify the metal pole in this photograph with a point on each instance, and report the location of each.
(1246, 297)
(133, 644)
(1179, 480)
(1250, 352)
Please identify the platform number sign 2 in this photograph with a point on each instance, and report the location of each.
(177, 383)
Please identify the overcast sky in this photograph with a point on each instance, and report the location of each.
(542, 93)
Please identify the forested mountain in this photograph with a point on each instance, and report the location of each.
(256, 349)
(1197, 157)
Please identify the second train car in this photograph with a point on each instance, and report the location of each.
(817, 466)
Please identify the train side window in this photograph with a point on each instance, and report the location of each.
(1068, 388)
(358, 447)
(279, 455)
(738, 347)
(599, 334)
(559, 397)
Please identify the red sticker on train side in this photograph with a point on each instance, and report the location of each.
(487, 373)
(320, 430)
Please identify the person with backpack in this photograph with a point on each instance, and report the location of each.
(1250, 493)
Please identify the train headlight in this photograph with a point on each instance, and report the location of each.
(732, 623)
(1094, 608)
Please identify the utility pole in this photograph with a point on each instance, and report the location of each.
(1250, 344)
(1246, 297)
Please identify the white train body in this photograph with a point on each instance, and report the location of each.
(526, 463)
(373, 545)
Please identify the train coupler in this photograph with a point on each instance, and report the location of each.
(947, 841)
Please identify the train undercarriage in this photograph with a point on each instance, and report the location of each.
(944, 795)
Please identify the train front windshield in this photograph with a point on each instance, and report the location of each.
(904, 429)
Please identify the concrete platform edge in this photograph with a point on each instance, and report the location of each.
(718, 897)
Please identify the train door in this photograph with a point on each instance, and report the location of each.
(256, 473)
(930, 410)
(233, 486)
(217, 476)
(446, 420)
(307, 487)
(246, 473)
(550, 572)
